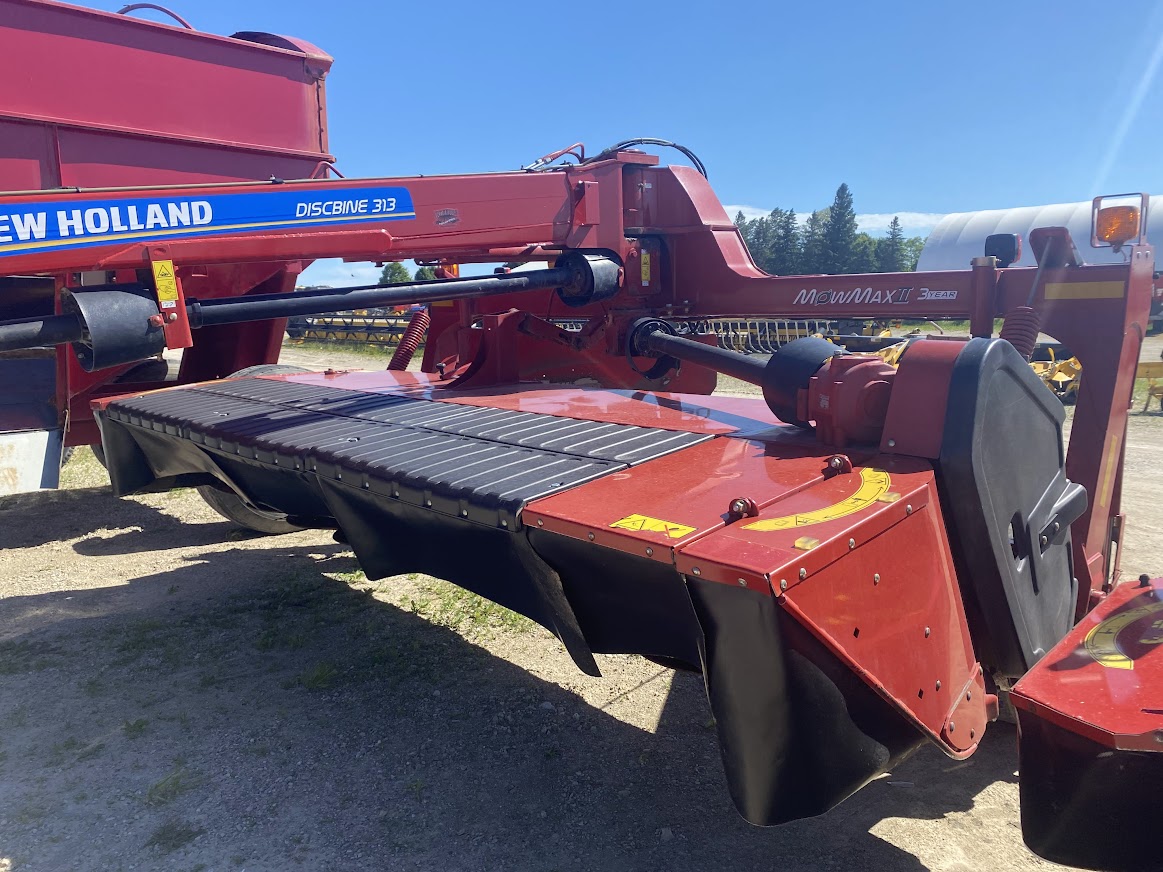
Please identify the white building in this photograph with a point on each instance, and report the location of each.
(960, 237)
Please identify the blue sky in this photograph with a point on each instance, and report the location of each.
(923, 108)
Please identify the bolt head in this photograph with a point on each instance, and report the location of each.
(938, 684)
(783, 584)
(908, 509)
(696, 571)
(851, 544)
(540, 523)
(803, 574)
(952, 725)
(927, 632)
(742, 582)
(649, 552)
(835, 463)
(876, 578)
(590, 536)
(892, 443)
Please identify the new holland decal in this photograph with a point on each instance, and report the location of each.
(57, 224)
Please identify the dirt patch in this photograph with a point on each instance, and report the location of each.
(175, 693)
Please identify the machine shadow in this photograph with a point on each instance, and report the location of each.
(67, 514)
(296, 697)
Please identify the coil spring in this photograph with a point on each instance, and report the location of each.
(413, 335)
(1020, 328)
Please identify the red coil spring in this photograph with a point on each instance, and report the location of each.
(1020, 328)
(413, 335)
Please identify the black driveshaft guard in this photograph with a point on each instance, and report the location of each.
(1009, 505)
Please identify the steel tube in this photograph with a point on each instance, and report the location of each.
(234, 310)
(730, 363)
(36, 332)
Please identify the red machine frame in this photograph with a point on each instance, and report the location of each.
(680, 259)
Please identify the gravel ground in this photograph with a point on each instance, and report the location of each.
(177, 694)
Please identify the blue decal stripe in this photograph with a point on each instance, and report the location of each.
(208, 230)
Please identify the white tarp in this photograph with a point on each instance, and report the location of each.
(960, 237)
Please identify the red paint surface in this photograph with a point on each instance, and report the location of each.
(1118, 707)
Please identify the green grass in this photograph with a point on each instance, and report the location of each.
(179, 781)
(172, 835)
(444, 603)
(321, 676)
(360, 348)
(24, 656)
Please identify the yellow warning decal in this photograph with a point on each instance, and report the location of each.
(1085, 290)
(653, 525)
(165, 282)
(1102, 642)
(874, 484)
(645, 269)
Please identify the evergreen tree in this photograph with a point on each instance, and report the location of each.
(912, 252)
(813, 250)
(890, 250)
(864, 254)
(840, 233)
(785, 237)
(394, 273)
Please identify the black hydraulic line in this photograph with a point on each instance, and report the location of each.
(730, 363)
(36, 332)
(234, 310)
(59, 329)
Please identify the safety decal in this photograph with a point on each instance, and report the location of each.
(1085, 290)
(653, 525)
(166, 284)
(48, 225)
(874, 485)
(645, 269)
(1121, 639)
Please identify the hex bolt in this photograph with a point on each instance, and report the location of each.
(649, 551)
(739, 506)
(876, 578)
(938, 684)
(851, 544)
(696, 571)
(835, 463)
(742, 582)
(504, 523)
(1043, 541)
(908, 509)
(464, 513)
(590, 536)
(892, 443)
(803, 574)
(540, 523)
(927, 631)
(952, 725)
(783, 584)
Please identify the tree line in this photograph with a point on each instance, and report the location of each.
(397, 273)
(827, 242)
